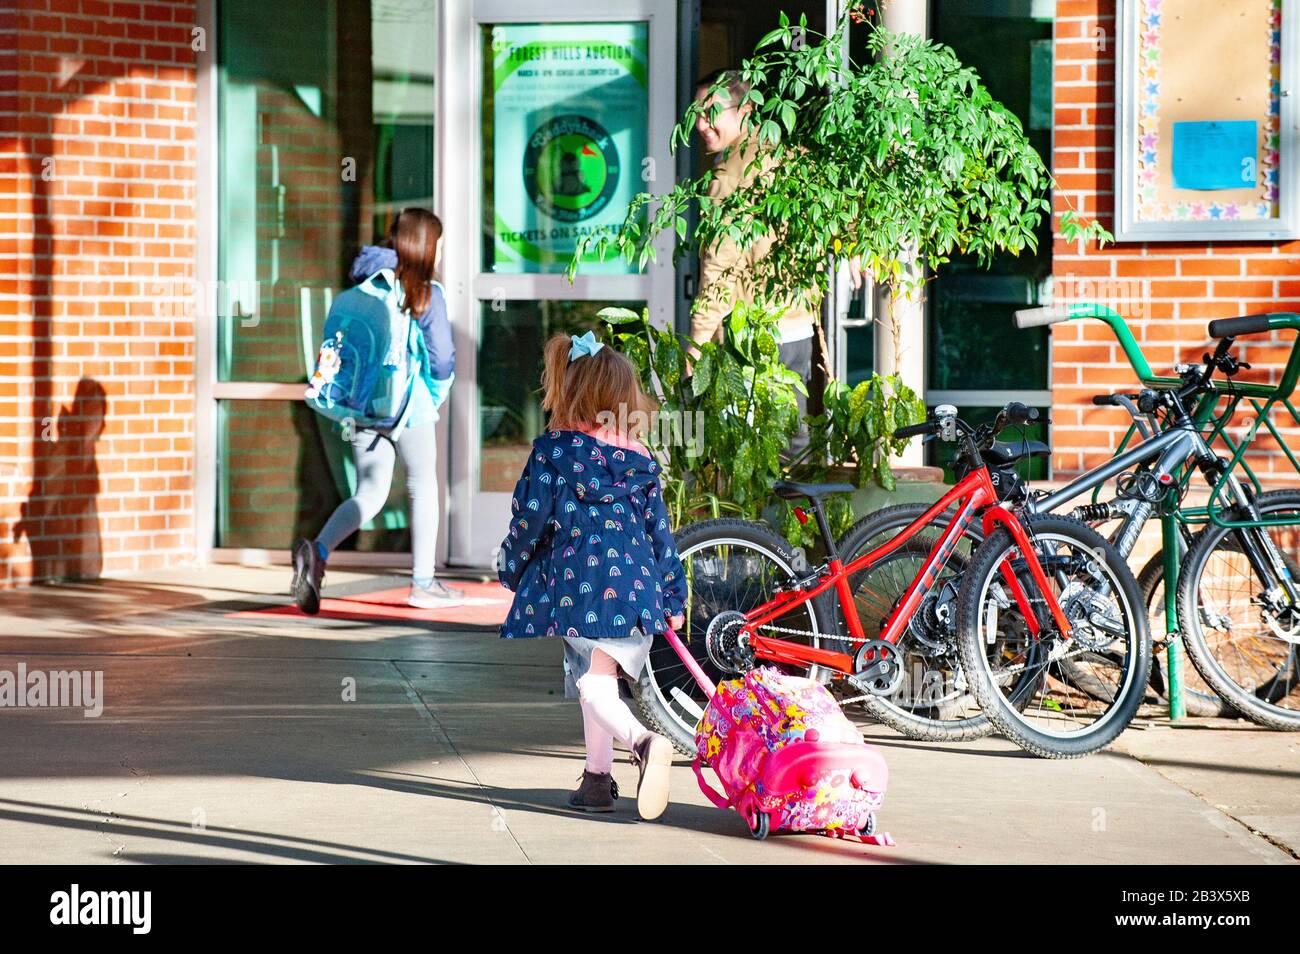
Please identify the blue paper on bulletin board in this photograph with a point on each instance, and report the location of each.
(1215, 155)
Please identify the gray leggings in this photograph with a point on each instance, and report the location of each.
(375, 456)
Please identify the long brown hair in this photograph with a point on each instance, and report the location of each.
(578, 394)
(414, 236)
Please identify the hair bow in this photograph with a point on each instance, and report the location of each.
(586, 345)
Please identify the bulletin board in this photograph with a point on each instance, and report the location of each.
(1206, 119)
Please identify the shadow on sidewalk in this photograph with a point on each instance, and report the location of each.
(550, 802)
(235, 839)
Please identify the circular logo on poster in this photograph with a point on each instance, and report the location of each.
(571, 168)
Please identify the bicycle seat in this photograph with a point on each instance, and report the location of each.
(793, 490)
(1008, 452)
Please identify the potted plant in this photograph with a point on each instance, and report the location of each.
(725, 420)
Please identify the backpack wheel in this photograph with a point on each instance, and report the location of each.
(760, 826)
(869, 829)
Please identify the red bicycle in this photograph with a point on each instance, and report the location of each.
(857, 623)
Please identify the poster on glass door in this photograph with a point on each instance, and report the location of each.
(569, 104)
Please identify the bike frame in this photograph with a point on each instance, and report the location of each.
(1211, 424)
(1170, 450)
(973, 496)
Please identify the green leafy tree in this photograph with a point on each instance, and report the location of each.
(906, 159)
(898, 163)
(723, 427)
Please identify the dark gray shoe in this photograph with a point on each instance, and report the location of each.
(596, 793)
(308, 572)
(653, 755)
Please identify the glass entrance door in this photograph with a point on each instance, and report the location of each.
(557, 114)
(326, 128)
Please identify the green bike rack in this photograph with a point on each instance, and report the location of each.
(1213, 422)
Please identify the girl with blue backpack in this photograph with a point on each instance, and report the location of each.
(590, 557)
(385, 367)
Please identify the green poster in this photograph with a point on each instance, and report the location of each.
(569, 138)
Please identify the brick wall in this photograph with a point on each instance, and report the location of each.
(97, 184)
(1170, 290)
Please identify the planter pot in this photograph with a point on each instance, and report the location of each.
(914, 485)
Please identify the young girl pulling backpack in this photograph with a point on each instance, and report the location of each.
(591, 559)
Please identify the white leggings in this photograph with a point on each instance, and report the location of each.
(605, 717)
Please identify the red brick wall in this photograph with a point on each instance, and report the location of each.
(97, 186)
(1168, 290)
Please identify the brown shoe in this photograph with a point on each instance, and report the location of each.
(596, 793)
(653, 755)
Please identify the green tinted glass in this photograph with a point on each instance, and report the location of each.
(510, 377)
(283, 469)
(326, 128)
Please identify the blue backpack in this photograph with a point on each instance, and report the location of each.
(370, 357)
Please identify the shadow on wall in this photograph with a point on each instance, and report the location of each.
(60, 517)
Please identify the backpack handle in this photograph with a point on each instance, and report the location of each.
(721, 801)
(688, 660)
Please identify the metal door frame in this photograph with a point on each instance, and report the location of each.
(477, 519)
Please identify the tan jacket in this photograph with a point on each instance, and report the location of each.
(726, 271)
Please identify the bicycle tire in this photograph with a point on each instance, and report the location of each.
(1009, 720)
(1246, 702)
(898, 717)
(653, 687)
(1196, 702)
(1202, 705)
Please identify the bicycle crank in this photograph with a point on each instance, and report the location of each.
(878, 668)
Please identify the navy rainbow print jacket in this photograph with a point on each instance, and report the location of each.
(590, 551)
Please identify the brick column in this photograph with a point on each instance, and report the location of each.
(97, 180)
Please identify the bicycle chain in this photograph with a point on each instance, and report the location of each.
(810, 635)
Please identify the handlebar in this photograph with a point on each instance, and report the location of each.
(912, 430)
(1220, 328)
(1037, 317)
(1054, 314)
(1112, 400)
(1016, 414)
(1245, 325)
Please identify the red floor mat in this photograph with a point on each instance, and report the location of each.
(486, 605)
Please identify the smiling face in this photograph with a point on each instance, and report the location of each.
(724, 130)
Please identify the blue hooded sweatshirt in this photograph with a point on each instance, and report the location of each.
(590, 551)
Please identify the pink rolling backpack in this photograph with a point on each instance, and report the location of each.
(788, 758)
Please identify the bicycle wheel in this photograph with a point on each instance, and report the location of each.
(933, 701)
(1198, 698)
(1238, 641)
(732, 566)
(1047, 715)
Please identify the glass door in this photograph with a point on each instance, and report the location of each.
(557, 114)
(326, 126)
(975, 360)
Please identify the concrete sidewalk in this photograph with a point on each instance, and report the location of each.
(226, 737)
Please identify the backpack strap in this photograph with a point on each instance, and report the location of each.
(717, 799)
(402, 419)
(375, 290)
